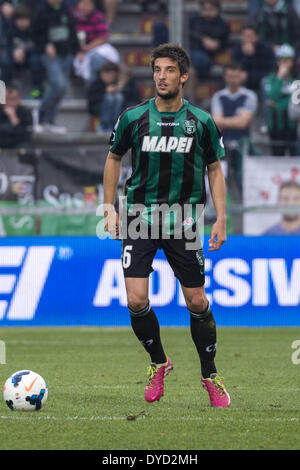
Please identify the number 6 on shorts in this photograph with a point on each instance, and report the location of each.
(127, 256)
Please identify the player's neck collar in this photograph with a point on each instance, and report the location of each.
(183, 105)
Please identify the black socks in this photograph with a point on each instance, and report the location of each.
(146, 327)
(203, 330)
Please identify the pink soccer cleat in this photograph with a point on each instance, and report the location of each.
(155, 380)
(218, 395)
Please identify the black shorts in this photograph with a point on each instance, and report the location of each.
(187, 265)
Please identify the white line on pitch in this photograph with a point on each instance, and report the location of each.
(121, 418)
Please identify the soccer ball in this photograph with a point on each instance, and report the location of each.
(25, 390)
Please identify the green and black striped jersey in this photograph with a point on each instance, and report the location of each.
(170, 151)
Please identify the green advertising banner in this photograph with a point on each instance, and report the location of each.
(57, 193)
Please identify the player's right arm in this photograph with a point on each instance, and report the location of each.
(111, 177)
(120, 142)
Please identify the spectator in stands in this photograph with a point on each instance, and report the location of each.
(92, 30)
(289, 195)
(22, 52)
(7, 10)
(108, 7)
(15, 120)
(55, 37)
(233, 109)
(278, 23)
(255, 5)
(296, 6)
(278, 90)
(7, 7)
(256, 57)
(104, 97)
(160, 31)
(16, 3)
(4, 47)
(208, 35)
(161, 22)
(122, 92)
(128, 88)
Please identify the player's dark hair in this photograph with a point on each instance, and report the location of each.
(173, 52)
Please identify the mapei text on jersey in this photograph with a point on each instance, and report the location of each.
(167, 144)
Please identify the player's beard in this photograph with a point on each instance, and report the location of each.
(170, 95)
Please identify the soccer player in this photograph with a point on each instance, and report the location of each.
(172, 142)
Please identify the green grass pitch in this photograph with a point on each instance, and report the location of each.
(96, 379)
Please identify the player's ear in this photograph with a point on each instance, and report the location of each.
(184, 78)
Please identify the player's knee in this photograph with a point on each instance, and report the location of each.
(197, 303)
(136, 302)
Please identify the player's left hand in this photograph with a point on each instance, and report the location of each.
(218, 235)
(112, 224)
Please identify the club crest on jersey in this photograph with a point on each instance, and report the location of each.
(167, 144)
(190, 127)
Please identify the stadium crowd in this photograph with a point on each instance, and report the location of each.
(55, 39)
